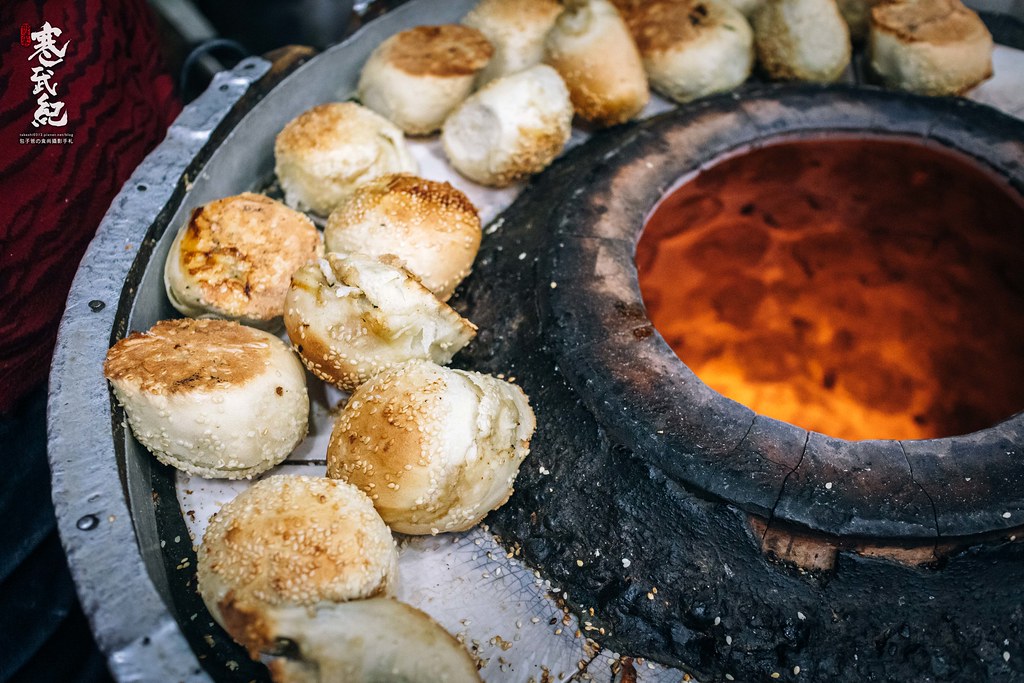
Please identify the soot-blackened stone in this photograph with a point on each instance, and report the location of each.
(654, 481)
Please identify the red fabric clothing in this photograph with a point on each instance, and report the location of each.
(119, 101)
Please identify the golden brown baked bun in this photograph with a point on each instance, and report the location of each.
(802, 40)
(932, 47)
(235, 256)
(291, 541)
(517, 29)
(351, 316)
(325, 153)
(692, 48)
(512, 127)
(432, 227)
(415, 78)
(211, 397)
(593, 51)
(436, 449)
(379, 639)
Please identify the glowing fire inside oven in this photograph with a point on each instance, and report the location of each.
(865, 289)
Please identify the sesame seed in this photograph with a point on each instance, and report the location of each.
(1006, 656)
(828, 485)
(579, 563)
(796, 670)
(1006, 515)
(625, 562)
(801, 616)
(554, 285)
(775, 674)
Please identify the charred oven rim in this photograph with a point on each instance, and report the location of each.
(607, 348)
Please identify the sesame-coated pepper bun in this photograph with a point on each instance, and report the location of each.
(513, 126)
(933, 47)
(436, 449)
(211, 397)
(801, 40)
(416, 77)
(325, 153)
(431, 226)
(591, 48)
(234, 258)
(291, 541)
(351, 316)
(692, 48)
(516, 29)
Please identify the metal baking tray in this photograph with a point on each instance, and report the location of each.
(130, 525)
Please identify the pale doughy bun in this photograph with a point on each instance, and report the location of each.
(325, 153)
(517, 30)
(431, 226)
(352, 316)
(415, 78)
(802, 40)
(379, 639)
(933, 47)
(513, 127)
(291, 541)
(692, 48)
(857, 14)
(235, 256)
(211, 397)
(593, 51)
(436, 449)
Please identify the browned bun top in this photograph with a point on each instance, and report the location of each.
(931, 21)
(445, 50)
(177, 356)
(323, 127)
(240, 252)
(659, 25)
(410, 200)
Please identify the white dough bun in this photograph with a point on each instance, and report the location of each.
(517, 29)
(938, 47)
(593, 51)
(352, 316)
(416, 77)
(802, 40)
(436, 449)
(512, 127)
(211, 397)
(692, 48)
(431, 226)
(325, 153)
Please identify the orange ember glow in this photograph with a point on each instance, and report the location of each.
(866, 289)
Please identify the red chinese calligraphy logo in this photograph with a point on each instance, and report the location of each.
(26, 35)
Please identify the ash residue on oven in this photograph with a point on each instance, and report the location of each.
(695, 566)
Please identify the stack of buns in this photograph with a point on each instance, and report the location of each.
(300, 569)
(420, 447)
